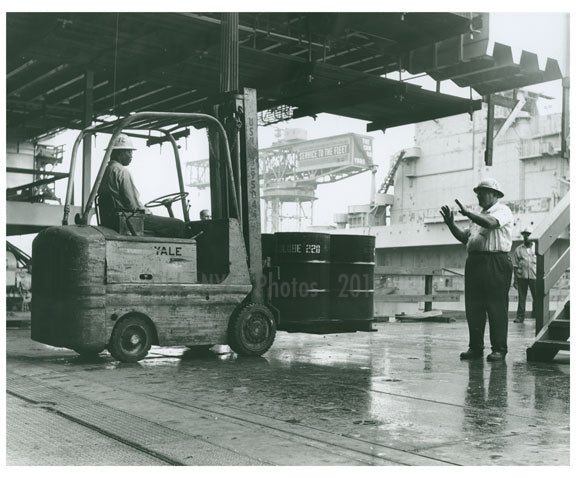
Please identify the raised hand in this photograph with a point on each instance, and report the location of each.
(463, 210)
(447, 215)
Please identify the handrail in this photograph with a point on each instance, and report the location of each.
(546, 233)
(547, 273)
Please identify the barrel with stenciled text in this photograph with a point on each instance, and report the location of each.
(268, 245)
(352, 261)
(301, 292)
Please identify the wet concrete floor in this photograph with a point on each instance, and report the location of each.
(399, 396)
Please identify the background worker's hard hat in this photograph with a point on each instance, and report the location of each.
(526, 230)
(489, 183)
(122, 142)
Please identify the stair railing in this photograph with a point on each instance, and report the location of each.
(548, 273)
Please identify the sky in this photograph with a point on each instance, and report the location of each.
(154, 173)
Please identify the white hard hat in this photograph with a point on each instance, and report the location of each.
(122, 142)
(489, 183)
(526, 229)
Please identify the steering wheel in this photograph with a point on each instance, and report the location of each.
(167, 201)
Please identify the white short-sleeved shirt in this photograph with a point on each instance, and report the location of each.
(492, 240)
(525, 259)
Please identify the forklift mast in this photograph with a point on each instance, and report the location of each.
(238, 113)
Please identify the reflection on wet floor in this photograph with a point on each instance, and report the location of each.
(485, 404)
(402, 387)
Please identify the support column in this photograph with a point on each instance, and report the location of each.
(275, 220)
(228, 112)
(565, 135)
(427, 291)
(541, 303)
(87, 143)
(489, 132)
(229, 48)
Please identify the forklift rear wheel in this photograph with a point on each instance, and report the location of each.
(252, 330)
(131, 339)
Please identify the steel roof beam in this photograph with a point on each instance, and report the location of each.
(34, 106)
(343, 101)
(21, 68)
(15, 92)
(244, 28)
(419, 116)
(43, 96)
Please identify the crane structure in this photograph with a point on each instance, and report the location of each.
(377, 213)
(292, 168)
(40, 163)
(18, 278)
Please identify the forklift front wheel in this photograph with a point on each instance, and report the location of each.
(131, 339)
(252, 330)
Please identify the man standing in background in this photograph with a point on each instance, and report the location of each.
(524, 272)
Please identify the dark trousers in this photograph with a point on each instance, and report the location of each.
(161, 226)
(523, 285)
(487, 279)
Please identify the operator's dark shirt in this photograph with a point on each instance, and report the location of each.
(118, 186)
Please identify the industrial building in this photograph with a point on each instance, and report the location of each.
(448, 155)
(253, 337)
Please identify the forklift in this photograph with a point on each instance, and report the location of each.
(97, 287)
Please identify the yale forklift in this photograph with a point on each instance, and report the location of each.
(97, 287)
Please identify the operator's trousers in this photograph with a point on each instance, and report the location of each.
(161, 226)
(487, 279)
(523, 285)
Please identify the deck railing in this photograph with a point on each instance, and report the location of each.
(429, 296)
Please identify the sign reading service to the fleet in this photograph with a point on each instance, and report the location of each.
(336, 151)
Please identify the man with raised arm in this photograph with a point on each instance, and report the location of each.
(488, 271)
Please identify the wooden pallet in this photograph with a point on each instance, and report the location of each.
(430, 316)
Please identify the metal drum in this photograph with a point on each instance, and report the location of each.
(352, 278)
(268, 243)
(301, 291)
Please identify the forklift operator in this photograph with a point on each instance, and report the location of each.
(117, 192)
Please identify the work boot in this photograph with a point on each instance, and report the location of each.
(496, 357)
(518, 320)
(471, 354)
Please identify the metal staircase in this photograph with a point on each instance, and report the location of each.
(553, 337)
(389, 180)
(552, 334)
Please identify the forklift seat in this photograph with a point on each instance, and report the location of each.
(129, 223)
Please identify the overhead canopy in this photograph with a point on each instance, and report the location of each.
(317, 62)
(469, 65)
(314, 62)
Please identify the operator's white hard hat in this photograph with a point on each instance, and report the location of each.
(122, 142)
(526, 229)
(489, 183)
